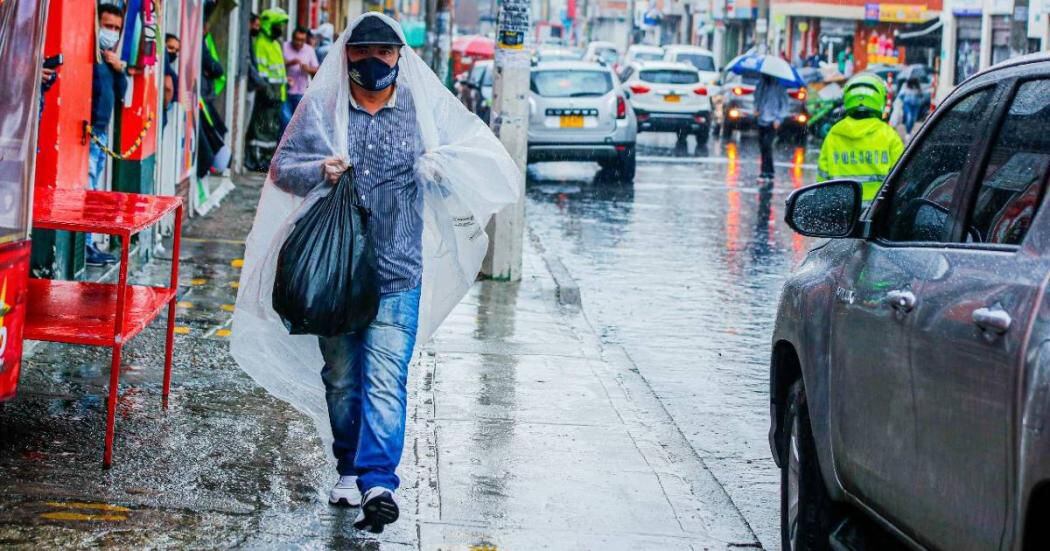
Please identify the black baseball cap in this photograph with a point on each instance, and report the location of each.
(373, 30)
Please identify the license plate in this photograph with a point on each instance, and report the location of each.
(671, 98)
(572, 121)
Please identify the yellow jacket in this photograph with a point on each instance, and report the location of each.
(860, 149)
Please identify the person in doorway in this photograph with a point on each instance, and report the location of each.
(324, 33)
(301, 63)
(771, 104)
(912, 99)
(108, 85)
(266, 124)
(172, 47)
(861, 146)
(845, 61)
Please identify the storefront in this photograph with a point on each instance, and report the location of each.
(967, 47)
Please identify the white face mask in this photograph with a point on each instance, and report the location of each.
(108, 38)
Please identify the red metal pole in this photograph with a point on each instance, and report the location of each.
(118, 346)
(169, 347)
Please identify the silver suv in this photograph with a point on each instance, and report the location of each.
(910, 377)
(577, 113)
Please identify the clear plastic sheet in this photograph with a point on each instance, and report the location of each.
(465, 174)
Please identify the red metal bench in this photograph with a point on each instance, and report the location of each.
(103, 314)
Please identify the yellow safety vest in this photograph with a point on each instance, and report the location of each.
(860, 149)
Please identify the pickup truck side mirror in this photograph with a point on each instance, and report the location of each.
(828, 209)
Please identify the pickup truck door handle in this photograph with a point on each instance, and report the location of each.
(903, 301)
(994, 320)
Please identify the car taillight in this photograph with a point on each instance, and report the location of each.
(802, 118)
(639, 89)
(799, 94)
(734, 113)
(701, 91)
(621, 107)
(741, 91)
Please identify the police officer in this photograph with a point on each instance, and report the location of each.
(861, 146)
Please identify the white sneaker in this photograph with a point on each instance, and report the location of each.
(378, 510)
(345, 492)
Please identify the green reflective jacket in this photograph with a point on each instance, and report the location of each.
(269, 53)
(860, 149)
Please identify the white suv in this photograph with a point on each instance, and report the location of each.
(668, 97)
(577, 112)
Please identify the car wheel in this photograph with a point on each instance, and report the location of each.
(727, 130)
(626, 164)
(799, 138)
(807, 513)
(702, 134)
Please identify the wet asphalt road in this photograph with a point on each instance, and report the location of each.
(679, 276)
(683, 270)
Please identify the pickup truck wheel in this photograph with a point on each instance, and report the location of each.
(807, 514)
(626, 164)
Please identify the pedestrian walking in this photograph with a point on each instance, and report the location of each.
(266, 124)
(324, 33)
(108, 85)
(861, 146)
(301, 63)
(912, 98)
(430, 174)
(771, 104)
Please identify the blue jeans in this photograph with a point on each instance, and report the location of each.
(911, 115)
(365, 377)
(288, 109)
(96, 166)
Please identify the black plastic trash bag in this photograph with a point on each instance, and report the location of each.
(326, 282)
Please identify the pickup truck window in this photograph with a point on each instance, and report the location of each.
(1016, 176)
(928, 182)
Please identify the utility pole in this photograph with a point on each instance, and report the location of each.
(430, 17)
(443, 48)
(632, 16)
(510, 121)
(1019, 29)
(762, 27)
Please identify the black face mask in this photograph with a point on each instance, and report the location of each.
(253, 32)
(170, 57)
(276, 32)
(373, 74)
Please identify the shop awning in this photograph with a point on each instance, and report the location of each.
(927, 34)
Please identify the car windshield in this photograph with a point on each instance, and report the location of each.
(700, 61)
(648, 56)
(733, 78)
(568, 83)
(668, 76)
(558, 55)
(608, 55)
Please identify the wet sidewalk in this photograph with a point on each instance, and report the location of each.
(524, 432)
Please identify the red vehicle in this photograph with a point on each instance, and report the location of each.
(19, 86)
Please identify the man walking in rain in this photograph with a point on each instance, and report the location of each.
(431, 174)
(267, 122)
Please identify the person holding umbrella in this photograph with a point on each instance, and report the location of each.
(771, 103)
(771, 100)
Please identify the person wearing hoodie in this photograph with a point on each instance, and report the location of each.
(861, 146)
(266, 124)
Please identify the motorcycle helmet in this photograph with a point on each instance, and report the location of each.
(864, 94)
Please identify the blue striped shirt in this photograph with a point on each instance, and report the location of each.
(383, 151)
